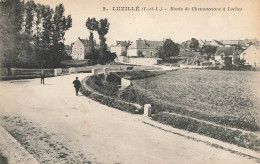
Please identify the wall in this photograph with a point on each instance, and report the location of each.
(144, 61)
(132, 52)
(118, 50)
(251, 55)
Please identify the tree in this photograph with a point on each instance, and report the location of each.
(32, 33)
(10, 28)
(140, 53)
(92, 25)
(169, 49)
(194, 44)
(103, 27)
(209, 50)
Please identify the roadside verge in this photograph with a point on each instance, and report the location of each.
(13, 150)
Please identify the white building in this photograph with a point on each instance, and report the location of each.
(251, 55)
(79, 48)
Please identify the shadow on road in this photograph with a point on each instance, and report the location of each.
(3, 160)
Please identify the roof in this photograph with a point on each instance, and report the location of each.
(251, 40)
(68, 47)
(213, 43)
(123, 43)
(84, 41)
(226, 50)
(143, 44)
(230, 42)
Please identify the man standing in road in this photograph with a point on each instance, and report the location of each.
(42, 77)
(77, 85)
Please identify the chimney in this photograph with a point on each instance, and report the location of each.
(140, 39)
(78, 37)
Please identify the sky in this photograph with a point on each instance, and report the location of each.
(158, 25)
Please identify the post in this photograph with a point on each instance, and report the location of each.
(125, 83)
(72, 70)
(94, 71)
(106, 70)
(147, 110)
(55, 72)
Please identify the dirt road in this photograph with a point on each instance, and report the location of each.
(55, 126)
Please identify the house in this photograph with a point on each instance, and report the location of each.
(79, 49)
(120, 48)
(226, 54)
(251, 55)
(242, 44)
(213, 43)
(144, 48)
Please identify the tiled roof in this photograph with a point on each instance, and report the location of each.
(143, 44)
(226, 50)
(122, 43)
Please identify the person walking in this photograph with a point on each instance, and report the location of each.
(77, 85)
(42, 77)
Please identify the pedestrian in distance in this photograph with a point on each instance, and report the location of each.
(77, 85)
(42, 77)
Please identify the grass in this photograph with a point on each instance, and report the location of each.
(224, 97)
(194, 100)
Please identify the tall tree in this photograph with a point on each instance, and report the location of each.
(194, 44)
(103, 27)
(92, 25)
(169, 49)
(209, 50)
(10, 28)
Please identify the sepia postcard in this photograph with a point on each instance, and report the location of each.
(129, 81)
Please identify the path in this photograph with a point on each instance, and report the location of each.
(81, 130)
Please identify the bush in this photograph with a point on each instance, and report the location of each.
(106, 100)
(75, 63)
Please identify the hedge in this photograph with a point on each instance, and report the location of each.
(109, 101)
(233, 136)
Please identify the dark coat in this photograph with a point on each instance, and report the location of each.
(77, 83)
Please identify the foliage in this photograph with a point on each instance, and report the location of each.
(209, 50)
(92, 53)
(75, 63)
(101, 27)
(123, 53)
(33, 34)
(109, 57)
(168, 50)
(194, 44)
(98, 83)
(140, 53)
